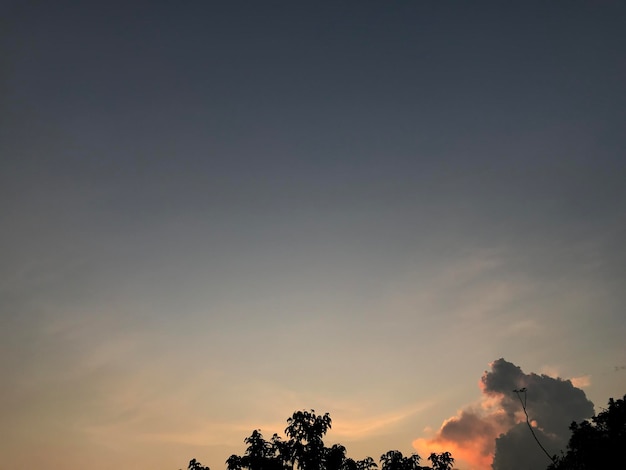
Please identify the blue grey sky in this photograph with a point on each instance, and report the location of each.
(216, 213)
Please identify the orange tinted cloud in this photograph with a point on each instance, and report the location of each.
(582, 381)
(469, 436)
(486, 435)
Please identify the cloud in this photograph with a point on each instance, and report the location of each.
(517, 449)
(470, 436)
(581, 381)
(495, 432)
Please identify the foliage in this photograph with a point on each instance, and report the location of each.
(599, 443)
(306, 431)
(394, 460)
(260, 454)
(305, 449)
(195, 465)
(443, 461)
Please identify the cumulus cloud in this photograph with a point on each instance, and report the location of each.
(495, 435)
(581, 381)
(470, 436)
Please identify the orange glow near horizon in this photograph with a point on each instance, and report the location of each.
(470, 434)
(469, 455)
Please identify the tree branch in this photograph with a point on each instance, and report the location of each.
(523, 390)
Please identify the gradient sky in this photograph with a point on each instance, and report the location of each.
(216, 213)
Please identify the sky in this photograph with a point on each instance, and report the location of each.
(216, 213)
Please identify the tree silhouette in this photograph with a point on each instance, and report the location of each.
(304, 449)
(259, 455)
(366, 464)
(394, 460)
(195, 465)
(443, 461)
(306, 431)
(599, 443)
(335, 458)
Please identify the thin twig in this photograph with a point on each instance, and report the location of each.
(523, 390)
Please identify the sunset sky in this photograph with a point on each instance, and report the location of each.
(215, 213)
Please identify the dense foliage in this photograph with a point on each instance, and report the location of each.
(304, 449)
(599, 443)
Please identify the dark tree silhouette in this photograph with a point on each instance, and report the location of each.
(394, 460)
(443, 461)
(260, 454)
(195, 465)
(304, 449)
(306, 431)
(366, 464)
(599, 443)
(335, 458)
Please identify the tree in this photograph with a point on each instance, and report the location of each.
(306, 431)
(443, 461)
(305, 450)
(335, 458)
(195, 465)
(260, 454)
(234, 463)
(394, 460)
(366, 464)
(599, 443)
